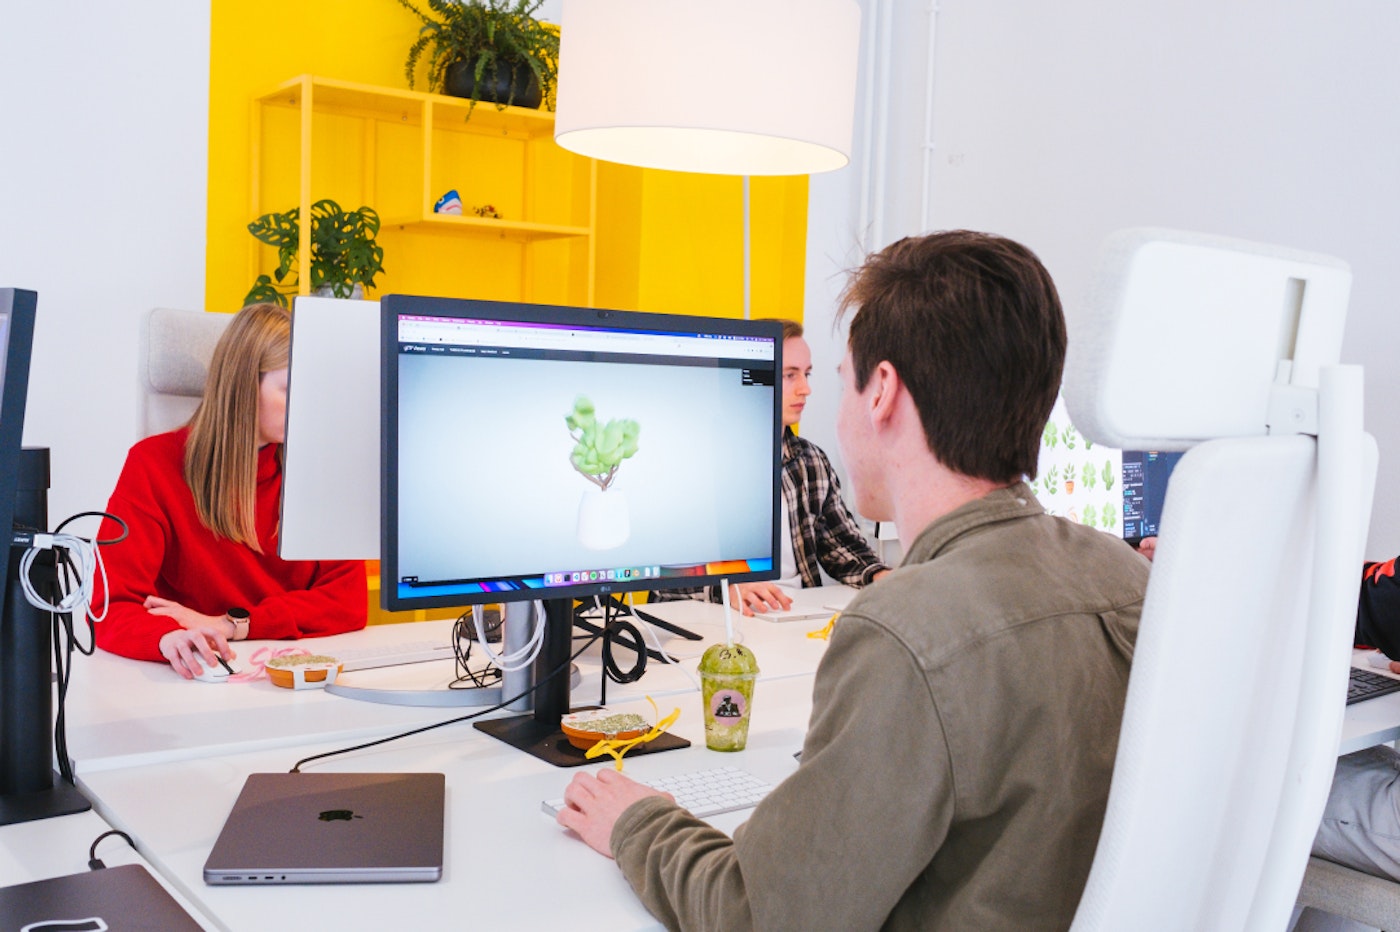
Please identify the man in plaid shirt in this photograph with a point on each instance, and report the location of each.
(819, 531)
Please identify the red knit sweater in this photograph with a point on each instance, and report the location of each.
(170, 554)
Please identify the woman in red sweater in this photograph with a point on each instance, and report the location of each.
(199, 567)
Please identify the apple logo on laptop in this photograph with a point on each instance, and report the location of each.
(338, 815)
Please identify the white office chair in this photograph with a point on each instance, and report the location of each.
(176, 347)
(1227, 350)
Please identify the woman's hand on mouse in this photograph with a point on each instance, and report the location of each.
(191, 651)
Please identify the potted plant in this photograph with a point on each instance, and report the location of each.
(344, 256)
(491, 50)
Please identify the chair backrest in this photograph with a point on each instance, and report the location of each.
(174, 360)
(1227, 350)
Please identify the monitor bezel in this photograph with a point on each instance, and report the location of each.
(392, 306)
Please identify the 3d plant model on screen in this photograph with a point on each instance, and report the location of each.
(599, 449)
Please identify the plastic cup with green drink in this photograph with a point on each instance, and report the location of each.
(727, 674)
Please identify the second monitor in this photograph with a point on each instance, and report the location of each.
(554, 453)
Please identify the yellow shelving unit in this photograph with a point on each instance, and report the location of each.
(399, 151)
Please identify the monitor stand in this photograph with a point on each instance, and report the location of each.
(537, 733)
(29, 789)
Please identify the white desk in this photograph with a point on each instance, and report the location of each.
(124, 713)
(1372, 721)
(54, 847)
(509, 866)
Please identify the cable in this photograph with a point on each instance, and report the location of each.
(93, 862)
(562, 668)
(521, 658)
(71, 582)
(467, 678)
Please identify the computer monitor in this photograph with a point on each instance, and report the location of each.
(28, 789)
(1145, 475)
(554, 453)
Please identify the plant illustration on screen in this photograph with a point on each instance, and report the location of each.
(599, 449)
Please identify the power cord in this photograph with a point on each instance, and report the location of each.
(72, 583)
(94, 863)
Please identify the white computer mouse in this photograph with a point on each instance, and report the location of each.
(214, 674)
(1376, 659)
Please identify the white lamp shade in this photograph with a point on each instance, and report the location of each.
(732, 87)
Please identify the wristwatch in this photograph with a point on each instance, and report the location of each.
(239, 618)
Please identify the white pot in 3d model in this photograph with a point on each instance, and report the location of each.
(602, 519)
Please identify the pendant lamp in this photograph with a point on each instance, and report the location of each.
(732, 87)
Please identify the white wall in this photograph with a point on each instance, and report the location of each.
(103, 163)
(1056, 124)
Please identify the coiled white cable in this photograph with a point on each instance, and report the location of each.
(88, 558)
(518, 659)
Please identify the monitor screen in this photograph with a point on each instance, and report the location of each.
(1145, 475)
(544, 452)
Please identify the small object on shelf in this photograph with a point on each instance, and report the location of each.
(486, 210)
(449, 203)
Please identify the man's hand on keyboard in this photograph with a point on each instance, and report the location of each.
(594, 802)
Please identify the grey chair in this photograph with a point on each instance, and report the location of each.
(176, 347)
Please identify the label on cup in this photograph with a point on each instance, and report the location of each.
(728, 706)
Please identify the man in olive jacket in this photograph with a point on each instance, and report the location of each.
(965, 716)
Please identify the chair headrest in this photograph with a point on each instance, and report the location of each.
(177, 347)
(1167, 350)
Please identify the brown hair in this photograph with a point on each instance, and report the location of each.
(221, 454)
(791, 328)
(973, 325)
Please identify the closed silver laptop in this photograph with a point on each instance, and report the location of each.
(332, 828)
(125, 897)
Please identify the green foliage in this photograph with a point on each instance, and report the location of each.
(1110, 518)
(343, 251)
(1069, 437)
(599, 448)
(1090, 517)
(1108, 475)
(484, 32)
(1050, 436)
(1089, 476)
(1052, 480)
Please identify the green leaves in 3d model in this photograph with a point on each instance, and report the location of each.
(599, 448)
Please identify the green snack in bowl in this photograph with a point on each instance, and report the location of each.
(727, 673)
(300, 660)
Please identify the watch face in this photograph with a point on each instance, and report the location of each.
(237, 614)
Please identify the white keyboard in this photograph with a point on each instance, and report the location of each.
(704, 792)
(392, 654)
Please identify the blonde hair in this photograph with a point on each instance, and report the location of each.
(221, 454)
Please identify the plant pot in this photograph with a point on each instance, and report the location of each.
(602, 519)
(325, 291)
(495, 83)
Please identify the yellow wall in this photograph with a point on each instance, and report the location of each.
(666, 242)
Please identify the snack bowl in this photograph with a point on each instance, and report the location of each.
(587, 728)
(314, 668)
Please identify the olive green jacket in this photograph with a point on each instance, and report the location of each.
(956, 767)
